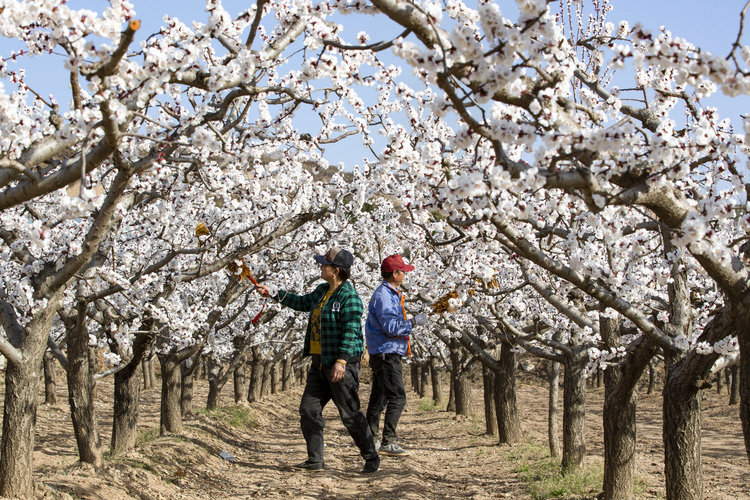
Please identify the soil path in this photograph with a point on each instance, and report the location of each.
(451, 457)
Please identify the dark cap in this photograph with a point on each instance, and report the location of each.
(336, 257)
(395, 263)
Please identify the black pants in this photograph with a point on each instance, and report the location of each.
(387, 393)
(319, 390)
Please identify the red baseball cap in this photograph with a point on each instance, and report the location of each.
(395, 263)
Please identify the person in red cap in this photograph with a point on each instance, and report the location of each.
(387, 331)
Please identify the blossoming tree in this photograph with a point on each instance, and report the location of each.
(545, 125)
(196, 125)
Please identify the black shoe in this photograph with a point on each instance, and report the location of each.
(371, 465)
(311, 466)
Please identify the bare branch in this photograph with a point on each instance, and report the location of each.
(737, 43)
(375, 47)
(259, 5)
(108, 68)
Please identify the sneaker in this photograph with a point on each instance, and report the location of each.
(393, 450)
(311, 466)
(371, 465)
(377, 445)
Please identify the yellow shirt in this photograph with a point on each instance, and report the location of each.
(315, 324)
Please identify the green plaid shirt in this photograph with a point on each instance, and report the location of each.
(340, 321)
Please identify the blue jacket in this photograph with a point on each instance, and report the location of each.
(386, 329)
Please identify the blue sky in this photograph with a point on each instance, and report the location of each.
(712, 25)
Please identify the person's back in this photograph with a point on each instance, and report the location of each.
(386, 329)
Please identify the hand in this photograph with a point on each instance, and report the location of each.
(338, 372)
(264, 290)
(420, 319)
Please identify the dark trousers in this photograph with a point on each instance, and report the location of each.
(387, 393)
(319, 390)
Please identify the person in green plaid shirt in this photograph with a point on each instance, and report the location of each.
(334, 341)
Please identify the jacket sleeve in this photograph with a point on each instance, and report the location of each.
(351, 325)
(303, 303)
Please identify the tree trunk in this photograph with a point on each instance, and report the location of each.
(274, 378)
(681, 434)
(490, 410)
(302, 370)
(152, 375)
(619, 423)
(149, 377)
(574, 412)
(93, 369)
(508, 421)
(463, 395)
(553, 430)
(734, 386)
(127, 396)
(287, 374)
(619, 414)
(424, 379)
(171, 392)
(203, 371)
(81, 393)
(451, 406)
(651, 379)
(415, 384)
(744, 382)
(461, 382)
(728, 379)
(421, 383)
(265, 386)
(240, 385)
(19, 417)
(719, 382)
(256, 377)
(187, 375)
(19, 413)
(437, 383)
(214, 384)
(619, 443)
(50, 379)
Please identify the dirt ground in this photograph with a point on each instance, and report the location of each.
(451, 457)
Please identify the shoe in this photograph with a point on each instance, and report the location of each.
(377, 445)
(393, 450)
(371, 465)
(311, 466)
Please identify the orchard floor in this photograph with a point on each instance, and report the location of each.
(451, 457)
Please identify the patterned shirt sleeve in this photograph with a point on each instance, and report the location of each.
(351, 325)
(303, 303)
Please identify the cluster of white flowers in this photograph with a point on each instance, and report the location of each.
(727, 346)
